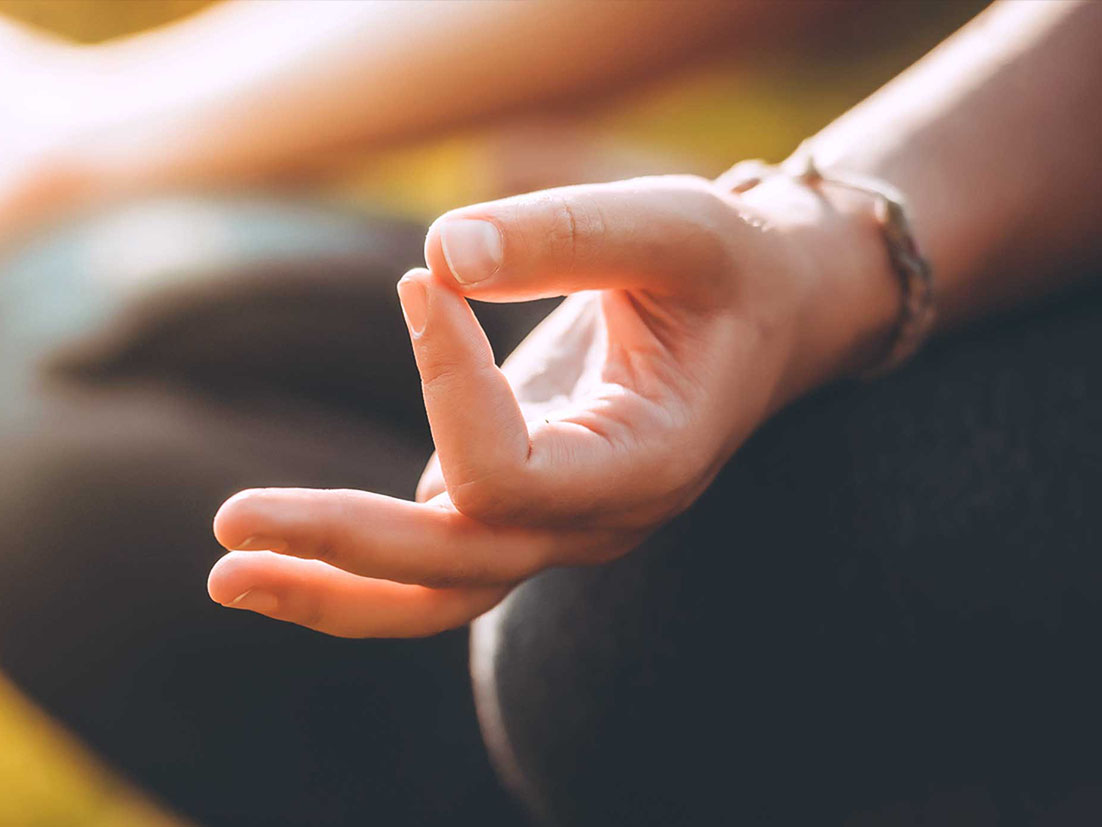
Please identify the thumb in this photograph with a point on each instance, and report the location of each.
(668, 235)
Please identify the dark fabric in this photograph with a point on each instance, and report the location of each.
(886, 611)
(152, 361)
(883, 613)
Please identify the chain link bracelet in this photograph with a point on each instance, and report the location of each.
(917, 308)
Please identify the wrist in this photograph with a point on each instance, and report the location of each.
(846, 299)
(858, 295)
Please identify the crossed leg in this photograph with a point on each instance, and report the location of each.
(884, 612)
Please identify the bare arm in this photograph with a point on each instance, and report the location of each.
(249, 89)
(994, 137)
(254, 90)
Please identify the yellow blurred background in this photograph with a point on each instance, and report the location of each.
(700, 120)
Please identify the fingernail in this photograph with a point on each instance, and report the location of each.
(471, 248)
(255, 601)
(260, 544)
(415, 303)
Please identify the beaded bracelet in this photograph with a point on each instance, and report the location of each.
(917, 308)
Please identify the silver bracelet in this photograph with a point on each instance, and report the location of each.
(917, 308)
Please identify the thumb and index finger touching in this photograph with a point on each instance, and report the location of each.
(650, 234)
(634, 235)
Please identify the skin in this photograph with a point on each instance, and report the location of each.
(258, 92)
(693, 315)
(609, 419)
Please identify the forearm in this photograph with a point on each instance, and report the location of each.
(248, 90)
(994, 139)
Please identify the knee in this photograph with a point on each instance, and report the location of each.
(602, 694)
(863, 576)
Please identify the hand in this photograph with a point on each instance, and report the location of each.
(693, 315)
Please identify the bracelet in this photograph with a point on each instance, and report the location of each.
(916, 281)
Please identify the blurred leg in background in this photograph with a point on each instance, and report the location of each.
(154, 360)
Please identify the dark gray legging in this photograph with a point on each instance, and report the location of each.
(884, 612)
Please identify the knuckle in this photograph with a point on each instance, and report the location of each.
(445, 373)
(574, 221)
(563, 237)
(439, 370)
